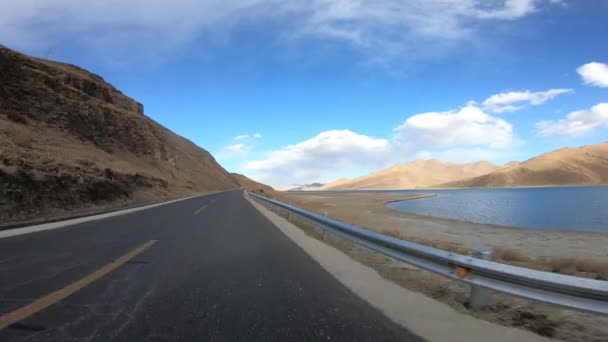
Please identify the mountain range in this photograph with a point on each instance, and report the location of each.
(586, 165)
(417, 174)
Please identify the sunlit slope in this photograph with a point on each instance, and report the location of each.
(587, 165)
(69, 140)
(417, 174)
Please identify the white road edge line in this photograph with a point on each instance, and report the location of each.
(71, 222)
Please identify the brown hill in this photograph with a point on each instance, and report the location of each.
(587, 165)
(417, 174)
(69, 140)
(251, 185)
(259, 188)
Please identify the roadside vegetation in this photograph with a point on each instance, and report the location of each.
(588, 268)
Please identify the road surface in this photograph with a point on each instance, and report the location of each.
(210, 268)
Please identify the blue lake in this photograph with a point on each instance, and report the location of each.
(562, 208)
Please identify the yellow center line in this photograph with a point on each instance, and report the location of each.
(54, 297)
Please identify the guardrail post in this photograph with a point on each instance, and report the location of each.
(480, 297)
(323, 228)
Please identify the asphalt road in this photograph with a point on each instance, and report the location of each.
(218, 271)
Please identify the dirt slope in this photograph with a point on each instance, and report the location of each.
(260, 188)
(587, 165)
(69, 141)
(417, 174)
(251, 185)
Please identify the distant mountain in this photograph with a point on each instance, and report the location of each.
(417, 174)
(251, 185)
(587, 165)
(307, 187)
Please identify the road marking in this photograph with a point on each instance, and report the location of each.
(71, 222)
(203, 207)
(200, 210)
(55, 297)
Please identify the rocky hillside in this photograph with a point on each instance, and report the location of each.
(251, 185)
(587, 165)
(417, 174)
(259, 188)
(70, 142)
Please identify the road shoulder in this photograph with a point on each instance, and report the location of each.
(94, 217)
(432, 320)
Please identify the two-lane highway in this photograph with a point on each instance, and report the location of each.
(210, 268)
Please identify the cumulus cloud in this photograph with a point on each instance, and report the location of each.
(515, 100)
(594, 73)
(142, 28)
(469, 126)
(323, 157)
(241, 147)
(461, 135)
(512, 9)
(576, 123)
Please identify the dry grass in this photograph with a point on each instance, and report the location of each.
(15, 117)
(445, 245)
(369, 212)
(588, 268)
(24, 140)
(510, 255)
(543, 320)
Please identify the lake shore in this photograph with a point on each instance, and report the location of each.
(543, 249)
(575, 253)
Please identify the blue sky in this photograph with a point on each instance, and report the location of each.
(317, 89)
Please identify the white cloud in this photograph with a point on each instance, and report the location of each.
(241, 147)
(467, 134)
(134, 30)
(236, 147)
(469, 126)
(515, 100)
(512, 9)
(594, 73)
(231, 152)
(576, 123)
(460, 135)
(247, 136)
(138, 28)
(323, 157)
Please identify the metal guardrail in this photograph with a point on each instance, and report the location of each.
(573, 292)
